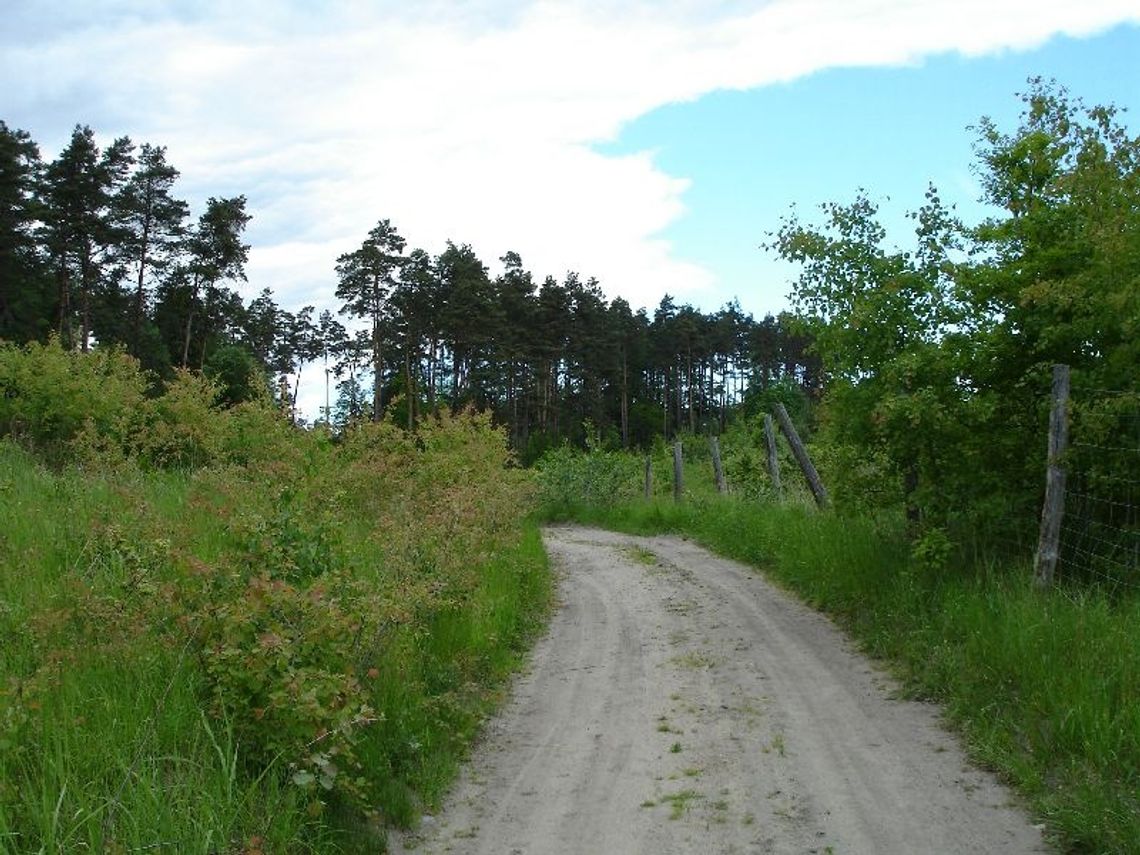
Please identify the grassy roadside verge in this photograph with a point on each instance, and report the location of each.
(279, 655)
(1045, 689)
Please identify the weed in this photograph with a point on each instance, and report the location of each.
(694, 661)
(777, 744)
(679, 802)
(641, 555)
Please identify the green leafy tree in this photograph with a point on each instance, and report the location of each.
(516, 297)
(415, 309)
(261, 328)
(238, 375)
(300, 345)
(1058, 278)
(937, 359)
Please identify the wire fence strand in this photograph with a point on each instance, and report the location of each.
(1100, 535)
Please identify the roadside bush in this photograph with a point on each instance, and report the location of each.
(181, 428)
(288, 638)
(48, 394)
(568, 478)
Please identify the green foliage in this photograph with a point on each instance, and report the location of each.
(25, 289)
(568, 477)
(783, 390)
(97, 247)
(181, 428)
(932, 551)
(287, 638)
(48, 394)
(98, 409)
(938, 358)
(239, 376)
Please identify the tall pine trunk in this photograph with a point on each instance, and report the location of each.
(85, 300)
(64, 282)
(190, 321)
(377, 371)
(140, 293)
(624, 400)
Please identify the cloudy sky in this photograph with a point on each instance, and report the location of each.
(649, 144)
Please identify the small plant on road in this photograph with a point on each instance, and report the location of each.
(679, 802)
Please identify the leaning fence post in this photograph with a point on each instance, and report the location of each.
(718, 469)
(801, 455)
(773, 458)
(1053, 508)
(678, 476)
(649, 476)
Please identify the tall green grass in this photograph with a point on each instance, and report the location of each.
(117, 730)
(1045, 688)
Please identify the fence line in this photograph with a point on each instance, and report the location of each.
(1100, 534)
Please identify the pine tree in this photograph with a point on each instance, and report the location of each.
(24, 288)
(152, 223)
(215, 254)
(80, 231)
(366, 277)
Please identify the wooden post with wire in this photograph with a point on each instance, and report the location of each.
(718, 468)
(802, 458)
(1053, 508)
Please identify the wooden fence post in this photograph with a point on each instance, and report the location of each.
(678, 473)
(1053, 509)
(773, 459)
(801, 455)
(649, 476)
(718, 469)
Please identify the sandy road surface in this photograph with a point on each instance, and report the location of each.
(681, 704)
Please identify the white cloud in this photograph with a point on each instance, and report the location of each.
(475, 126)
(472, 122)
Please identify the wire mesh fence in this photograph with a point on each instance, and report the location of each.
(1100, 532)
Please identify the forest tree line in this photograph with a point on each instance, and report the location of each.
(96, 247)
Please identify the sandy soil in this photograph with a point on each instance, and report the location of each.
(679, 703)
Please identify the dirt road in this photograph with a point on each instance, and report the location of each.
(681, 704)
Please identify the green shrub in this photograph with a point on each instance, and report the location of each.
(48, 394)
(568, 478)
(183, 427)
(288, 638)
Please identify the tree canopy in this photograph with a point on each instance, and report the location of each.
(939, 357)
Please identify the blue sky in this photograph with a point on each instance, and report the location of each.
(752, 155)
(649, 143)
